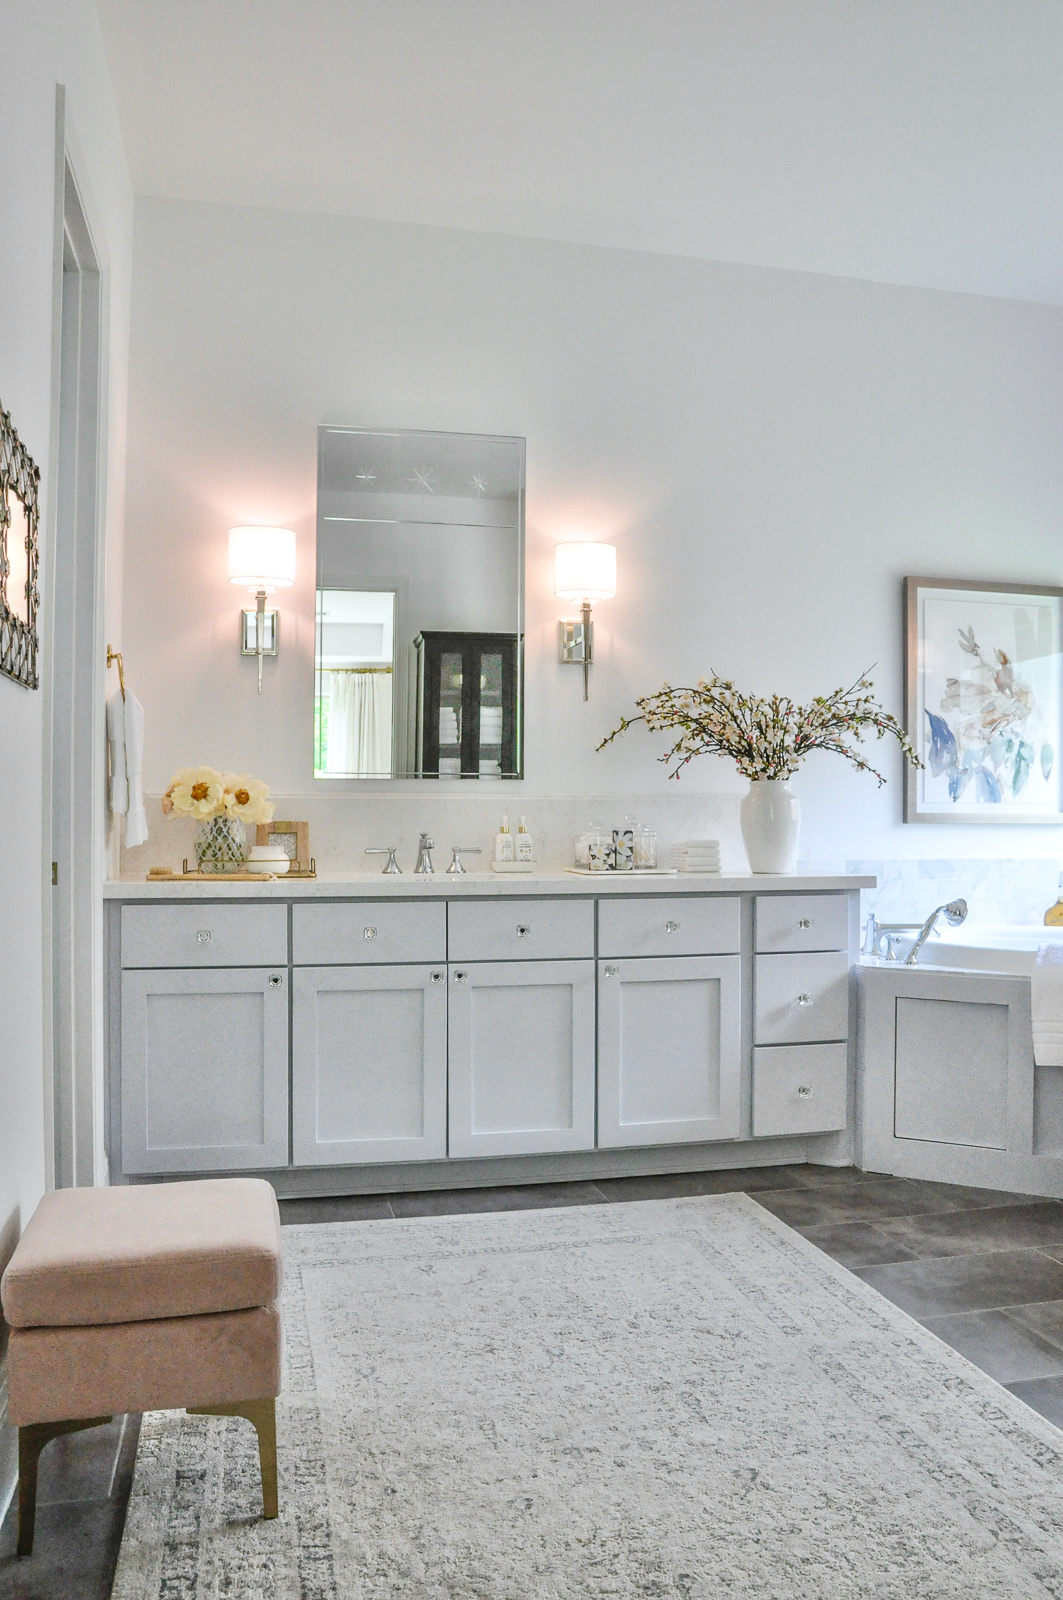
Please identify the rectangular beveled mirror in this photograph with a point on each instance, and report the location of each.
(420, 605)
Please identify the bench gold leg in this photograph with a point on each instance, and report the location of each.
(263, 1414)
(31, 1441)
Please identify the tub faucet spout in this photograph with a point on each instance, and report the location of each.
(954, 914)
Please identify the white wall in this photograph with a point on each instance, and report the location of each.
(770, 451)
(44, 43)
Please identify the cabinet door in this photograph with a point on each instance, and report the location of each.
(369, 1064)
(669, 1050)
(521, 1057)
(204, 1070)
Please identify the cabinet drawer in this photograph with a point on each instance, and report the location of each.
(802, 922)
(521, 930)
(801, 999)
(677, 926)
(799, 1088)
(204, 936)
(371, 931)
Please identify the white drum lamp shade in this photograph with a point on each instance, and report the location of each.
(585, 571)
(262, 559)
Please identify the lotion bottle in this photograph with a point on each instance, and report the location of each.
(504, 841)
(524, 841)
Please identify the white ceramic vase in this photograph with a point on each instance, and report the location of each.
(771, 822)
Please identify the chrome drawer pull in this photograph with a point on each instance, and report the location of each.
(522, 930)
(807, 922)
(437, 977)
(804, 1000)
(611, 972)
(368, 933)
(203, 936)
(671, 927)
(804, 1091)
(275, 980)
(460, 977)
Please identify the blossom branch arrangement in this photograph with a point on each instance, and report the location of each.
(203, 793)
(766, 739)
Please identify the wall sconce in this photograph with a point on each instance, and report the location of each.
(582, 572)
(262, 560)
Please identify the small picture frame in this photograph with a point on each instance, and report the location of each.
(293, 838)
(19, 483)
(984, 701)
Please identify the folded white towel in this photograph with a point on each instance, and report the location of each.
(125, 734)
(1046, 1005)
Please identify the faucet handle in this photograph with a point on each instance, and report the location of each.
(459, 851)
(389, 851)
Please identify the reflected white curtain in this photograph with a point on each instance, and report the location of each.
(359, 724)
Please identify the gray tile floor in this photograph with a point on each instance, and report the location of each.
(983, 1269)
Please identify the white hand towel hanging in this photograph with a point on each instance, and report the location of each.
(125, 733)
(1046, 1003)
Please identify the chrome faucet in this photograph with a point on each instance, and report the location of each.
(460, 850)
(389, 851)
(955, 912)
(424, 855)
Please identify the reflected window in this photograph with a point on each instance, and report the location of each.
(354, 719)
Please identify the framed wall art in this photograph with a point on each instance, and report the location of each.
(984, 701)
(19, 483)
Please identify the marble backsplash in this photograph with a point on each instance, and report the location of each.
(341, 828)
(1013, 890)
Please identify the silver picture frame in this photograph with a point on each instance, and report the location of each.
(984, 702)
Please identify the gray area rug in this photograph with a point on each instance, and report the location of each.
(674, 1398)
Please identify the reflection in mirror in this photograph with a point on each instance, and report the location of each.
(419, 605)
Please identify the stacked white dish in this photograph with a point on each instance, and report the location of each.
(697, 855)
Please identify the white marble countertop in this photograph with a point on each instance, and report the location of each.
(490, 885)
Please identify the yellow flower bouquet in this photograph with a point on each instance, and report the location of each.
(222, 803)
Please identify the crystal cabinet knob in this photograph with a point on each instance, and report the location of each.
(368, 933)
(671, 927)
(804, 1091)
(275, 980)
(437, 977)
(807, 922)
(804, 1000)
(461, 977)
(523, 930)
(203, 936)
(611, 972)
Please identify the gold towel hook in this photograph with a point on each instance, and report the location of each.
(114, 657)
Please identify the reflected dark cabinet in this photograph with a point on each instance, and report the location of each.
(467, 698)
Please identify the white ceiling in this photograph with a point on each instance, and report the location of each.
(911, 141)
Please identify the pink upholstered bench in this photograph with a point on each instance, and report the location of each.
(148, 1298)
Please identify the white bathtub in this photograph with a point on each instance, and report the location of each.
(988, 947)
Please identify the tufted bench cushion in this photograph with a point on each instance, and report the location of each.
(90, 1257)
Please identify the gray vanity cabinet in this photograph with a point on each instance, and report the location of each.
(521, 1057)
(669, 1050)
(204, 1069)
(369, 1055)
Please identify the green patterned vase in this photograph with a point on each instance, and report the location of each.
(220, 845)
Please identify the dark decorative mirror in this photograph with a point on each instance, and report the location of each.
(19, 481)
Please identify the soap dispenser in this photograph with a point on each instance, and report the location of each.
(1054, 914)
(524, 841)
(504, 841)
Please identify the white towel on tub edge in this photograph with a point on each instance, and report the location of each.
(1046, 1006)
